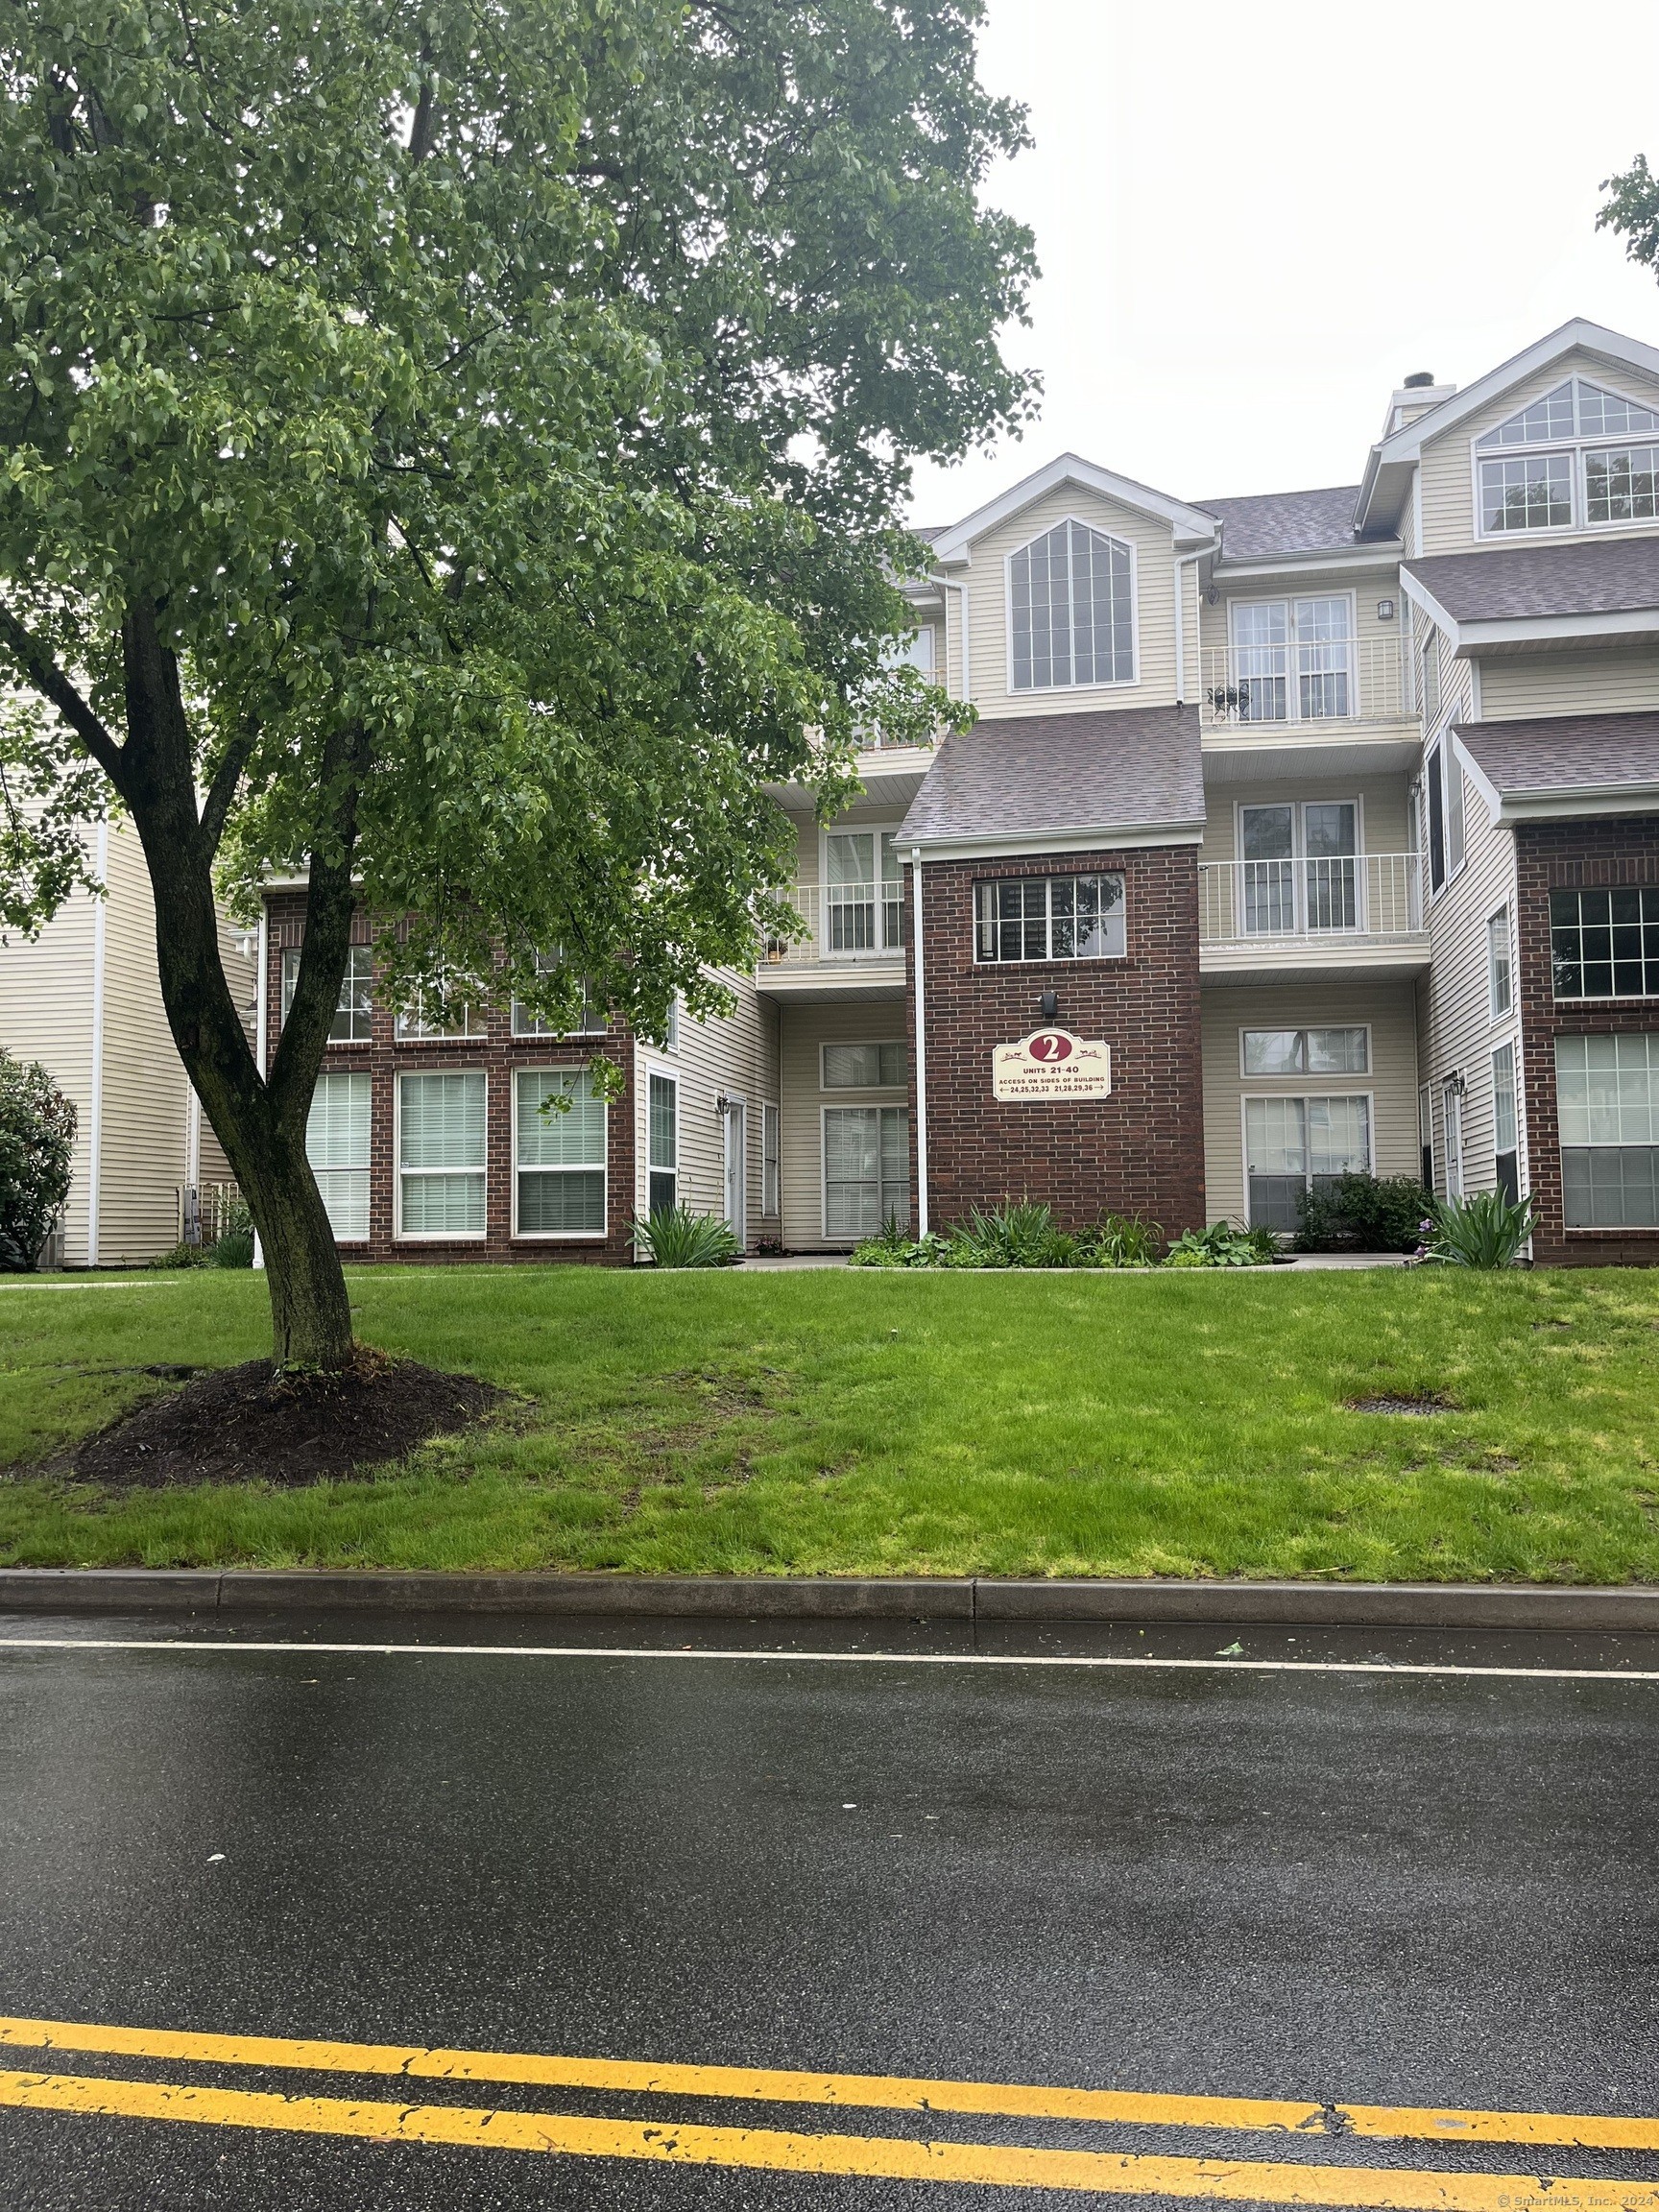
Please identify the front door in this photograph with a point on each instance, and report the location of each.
(737, 1171)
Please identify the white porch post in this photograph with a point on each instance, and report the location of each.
(921, 1047)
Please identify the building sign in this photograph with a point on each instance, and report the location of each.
(1051, 1064)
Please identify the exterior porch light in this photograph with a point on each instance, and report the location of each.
(1049, 1005)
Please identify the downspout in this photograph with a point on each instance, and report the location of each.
(1180, 630)
(95, 1118)
(921, 1047)
(261, 1030)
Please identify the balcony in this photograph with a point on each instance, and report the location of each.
(1301, 688)
(854, 943)
(1356, 910)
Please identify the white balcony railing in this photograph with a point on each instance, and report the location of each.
(1373, 895)
(1325, 679)
(846, 922)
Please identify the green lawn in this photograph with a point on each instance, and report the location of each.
(839, 1423)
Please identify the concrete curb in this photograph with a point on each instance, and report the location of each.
(1443, 1605)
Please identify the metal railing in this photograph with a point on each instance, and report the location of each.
(1317, 679)
(1375, 895)
(845, 923)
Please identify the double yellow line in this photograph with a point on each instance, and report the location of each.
(1408, 2189)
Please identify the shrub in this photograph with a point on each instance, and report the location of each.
(673, 1237)
(1121, 1240)
(1484, 1231)
(1360, 1213)
(184, 1256)
(1017, 1233)
(37, 1161)
(1224, 1246)
(894, 1246)
(234, 1249)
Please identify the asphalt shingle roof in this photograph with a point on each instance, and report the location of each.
(1607, 576)
(1267, 523)
(1564, 754)
(1045, 775)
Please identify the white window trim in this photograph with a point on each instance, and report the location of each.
(1497, 1014)
(1070, 690)
(1287, 600)
(648, 1168)
(1575, 449)
(1369, 1070)
(1510, 1040)
(774, 1107)
(871, 1102)
(1450, 758)
(1298, 837)
(401, 1235)
(1649, 998)
(285, 997)
(1250, 1098)
(1451, 1096)
(878, 830)
(1046, 876)
(555, 1236)
(362, 1074)
(860, 1092)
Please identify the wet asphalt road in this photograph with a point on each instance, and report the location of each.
(1380, 1887)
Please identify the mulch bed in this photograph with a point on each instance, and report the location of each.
(247, 1424)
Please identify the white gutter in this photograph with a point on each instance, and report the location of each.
(920, 1049)
(95, 1118)
(261, 1030)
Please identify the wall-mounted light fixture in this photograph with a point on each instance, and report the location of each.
(1049, 1005)
(1385, 610)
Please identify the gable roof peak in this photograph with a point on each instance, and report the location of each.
(1190, 524)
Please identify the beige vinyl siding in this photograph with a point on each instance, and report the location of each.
(146, 1093)
(1376, 639)
(46, 1015)
(1457, 1032)
(1610, 681)
(1386, 1004)
(987, 592)
(735, 1053)
(1449, 519)
(1382, 809)
(805, 1030)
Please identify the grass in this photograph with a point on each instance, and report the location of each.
(1189, 1424)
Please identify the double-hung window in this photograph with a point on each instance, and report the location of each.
(863, 892)
(1292, 1145)
(441, 1120)
(770, 1193)
(866, 1170)
(436, 1016)
(1451, 1114)
(1588, 456)
(337, 1146)
(590, 1015)
(1444, 778)
(1607, 1100)
(663, 1143)
(1071, 608)
(884, 1066)
(1505, 1124)
(1293, 660)
(1051, 918)
(355, 1004)
(1500, 982)
(558, 1153)
(1604, 944)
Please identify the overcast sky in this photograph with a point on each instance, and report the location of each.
(1253, 221)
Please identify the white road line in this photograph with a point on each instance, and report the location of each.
(1130, 1661)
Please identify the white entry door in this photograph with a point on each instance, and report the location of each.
(738, 1170)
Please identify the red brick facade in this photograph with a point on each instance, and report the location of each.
(1551, 856)
(497, 1053)
(1141, 1151)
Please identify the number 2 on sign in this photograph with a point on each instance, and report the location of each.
(1049, 1045)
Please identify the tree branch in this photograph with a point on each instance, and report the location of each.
(50, 681)
(223, 789)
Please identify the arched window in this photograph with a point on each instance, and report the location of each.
(1573, 472)
(1073, 609)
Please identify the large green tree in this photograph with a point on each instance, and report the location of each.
(457, 447)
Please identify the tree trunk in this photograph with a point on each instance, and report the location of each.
(310, 1311)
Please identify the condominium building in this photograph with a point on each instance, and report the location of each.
(1299, 832)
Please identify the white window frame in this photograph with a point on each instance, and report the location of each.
(1453, 1137)
(401, 1235)
(1575, 450)
(350, 1074)
(1068, 690)
(772, 1166)
(1249, 1028)
(1052, 958)
(402, 1034)
(881, 950)
(1511, 1045)
(1287, 600)
(556, 1235)
(1298, 862)
(1450, 766)
(651, 1073)
(591, 1027)
(1250, 1098)
(860, 1102)
(858, 1091)
(1562, 1148)
(1495, 1012)
(288, 984)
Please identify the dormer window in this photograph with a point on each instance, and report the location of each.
(1583, 480)
(1071, 602)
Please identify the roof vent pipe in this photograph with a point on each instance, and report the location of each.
(1419, 381)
